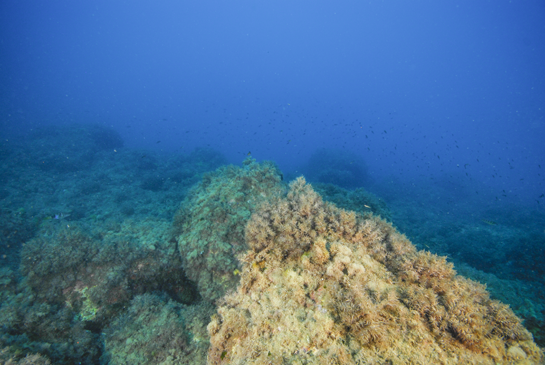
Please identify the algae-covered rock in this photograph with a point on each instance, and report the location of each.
(31, 328)
(10, 356)
(211, 223)
(156, 330)
(94, 272)
(78, 278)
(321, 285)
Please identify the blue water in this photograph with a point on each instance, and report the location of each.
(437, 108)
(419, 91)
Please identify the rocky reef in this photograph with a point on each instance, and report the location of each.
(251, 270)
(78, 279)
(157, 330)
(323, 285)
(211, 223)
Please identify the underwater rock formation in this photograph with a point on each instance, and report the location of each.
(211, 222)
(323, 285)
(95, 275)
(285, 276)
(157, 330)
(8, 358)
(78, 280)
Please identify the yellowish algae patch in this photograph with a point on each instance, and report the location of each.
(321, 285)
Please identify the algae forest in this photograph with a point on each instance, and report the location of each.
(120, 256)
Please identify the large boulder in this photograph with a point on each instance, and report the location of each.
(210, 224)
(321, 285)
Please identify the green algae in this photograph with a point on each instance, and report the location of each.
(210, 223)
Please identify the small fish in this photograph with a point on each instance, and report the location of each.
(491, 223)
(365, 205)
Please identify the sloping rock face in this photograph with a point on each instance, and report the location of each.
(321, 285)
(210, 223)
